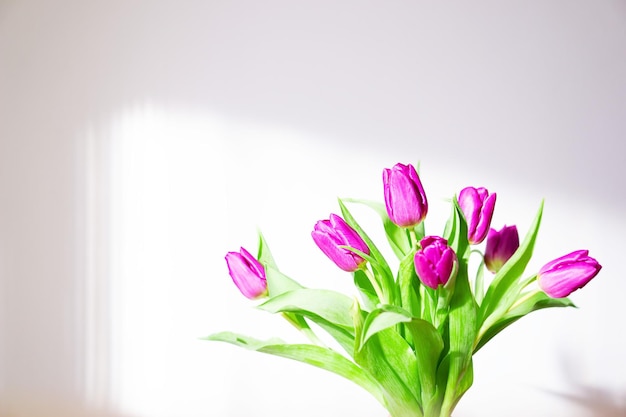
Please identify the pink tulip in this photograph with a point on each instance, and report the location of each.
(568, 273)
(501, 245)
(435, 261)
(477, 205)
(330, 235)
(247, 273)
(404, 195)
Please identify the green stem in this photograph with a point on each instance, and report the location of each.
(479, 286)
(491, 319)
(528, 281)
(413, 238)
(379, 292)
(523, 298)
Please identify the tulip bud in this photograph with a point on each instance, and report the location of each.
(568, 273)
(501, 245)
(477, 206)
(404, 195)
(247, 273)
(435, 261)
(330, 235)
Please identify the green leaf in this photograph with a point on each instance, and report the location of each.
(264, 255)
(537, 301)
(390, 360)
(331, 306)
(409, 283)
(381, 319)
(456, 231)
(420, 231)
(279, 283)
(462, 329)
(503, 291)
(462, 318)
(313, 355)
(466, 382)
(329, 309)
(479, 291)
(367, 292)
(428, 346)
(344, 338)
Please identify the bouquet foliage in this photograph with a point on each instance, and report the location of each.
(409, 335)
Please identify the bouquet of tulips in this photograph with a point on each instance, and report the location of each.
(408, 336)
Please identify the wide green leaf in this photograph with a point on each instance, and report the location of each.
(329, 305)
(390, 360)
(537, 301)
(366, 290)
(380, 319)
(428, 346)
(313, 355)
(409, 284)
(329, 309)
(504, 289)
(462, 319)
(264, 255)
(456, 231)
(278, 283)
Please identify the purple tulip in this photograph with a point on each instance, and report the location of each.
(501, 245)
(435, 261)
(568, 273)
(477, 205)
(404, 195)
(330, 235)
(247, 273)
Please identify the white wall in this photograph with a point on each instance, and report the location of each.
(527, 98)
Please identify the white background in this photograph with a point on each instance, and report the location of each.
(140, 141)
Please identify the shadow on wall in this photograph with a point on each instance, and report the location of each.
(596, 402)
(593, 400)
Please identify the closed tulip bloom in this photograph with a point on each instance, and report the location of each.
(331, 234)
(404, 195)
(568, 273)
(477, 206)
(435, 261)
(501, 245)
(247, 273)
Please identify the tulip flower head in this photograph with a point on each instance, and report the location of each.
(501, 245)
(247, 273)
(332, 234)
(568, 273)
(435, 261)
(477, 206)
(404, 195)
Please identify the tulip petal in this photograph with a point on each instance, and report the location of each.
(332, 235)
(564, 275)
(434, 263)
(247, 273)
(562, 282)
(405, 199)
(477, 207)
(570, 257)
(501, 245)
